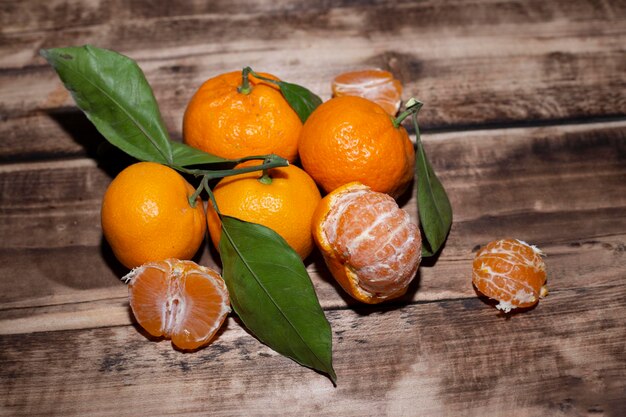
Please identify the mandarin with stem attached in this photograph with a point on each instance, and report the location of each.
(510, 271)
(371, 246)
(223, 120)
(147, 216)
(376, 85)
(350, 139)
(282, 199)
(178, 300)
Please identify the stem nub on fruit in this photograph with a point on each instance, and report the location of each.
(265, 178)
(245, 87)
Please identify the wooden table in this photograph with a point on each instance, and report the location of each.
(524, 121)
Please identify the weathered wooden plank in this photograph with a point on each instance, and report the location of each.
(527, 61)
(67, 342)
(31, 15)
(565, 357)
(40, 135)
(86, 303)
(562, 188)
(29, 25)
(502, 172)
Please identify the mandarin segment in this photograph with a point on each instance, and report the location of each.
(178, 300)
(351, 139)
(370, 245)
(224, 122)
(510, 271)
(376, 85)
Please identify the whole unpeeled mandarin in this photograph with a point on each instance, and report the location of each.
(371, 246)
(146, 215)
(221, 120)
(282, 199)
(349, 139)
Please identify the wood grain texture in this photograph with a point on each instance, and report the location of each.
(456, 357)
(494, 62)
(501, 183)
(524, 122)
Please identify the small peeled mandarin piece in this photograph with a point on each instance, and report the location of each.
(178, 300)
(510, 271)
(370, 245)
(376, 85)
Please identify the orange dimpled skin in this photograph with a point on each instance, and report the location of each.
(224, 122)
(285, 204)
(370, 245)
(146, 215)
(351, 139)
(178, 300)
(511, 272)
(376, 85)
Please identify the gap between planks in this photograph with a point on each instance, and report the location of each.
(68, 163)
(115, 312)
(427, 135)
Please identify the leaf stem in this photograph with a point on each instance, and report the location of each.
(193, 199)
(260, 77)
(272, 161)
(418, 139)
(269, 161)
(211, 197)
(413, 106)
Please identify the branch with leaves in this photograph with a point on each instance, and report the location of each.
(269, 286)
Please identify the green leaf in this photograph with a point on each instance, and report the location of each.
(273, 295)
(433, 205)
(301, 99)
(114, 94)
(185, 155)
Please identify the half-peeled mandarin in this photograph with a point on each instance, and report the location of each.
(371, 246)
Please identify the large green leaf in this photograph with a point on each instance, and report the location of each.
(273, 295)
(301, 99)
(114, 94)
(433, 205)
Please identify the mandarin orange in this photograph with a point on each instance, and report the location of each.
(510, 271)
(282, 199)
(350, 139)
(371, 246)
(222, 121)
(178, 300)
(146, 215)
